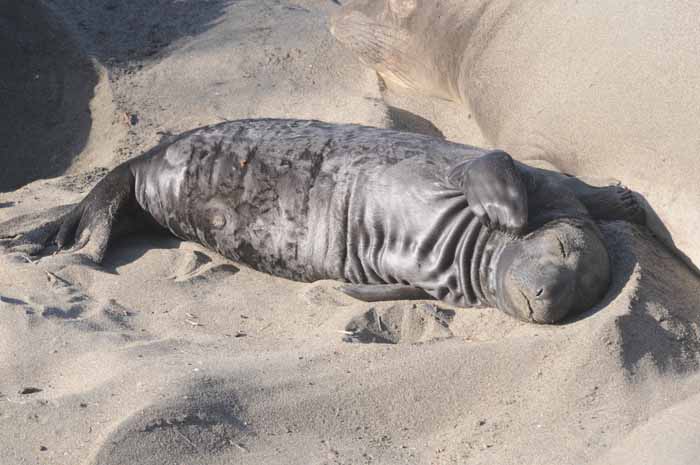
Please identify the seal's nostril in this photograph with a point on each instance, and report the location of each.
(539, 292)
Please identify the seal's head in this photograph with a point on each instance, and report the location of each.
(556, 271)
(387, 35)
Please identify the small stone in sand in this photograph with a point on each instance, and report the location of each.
(29, 390)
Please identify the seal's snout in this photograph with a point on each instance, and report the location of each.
(557, 271)
(352, 22)
(549, 296)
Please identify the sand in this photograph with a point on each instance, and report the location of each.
(170, 354)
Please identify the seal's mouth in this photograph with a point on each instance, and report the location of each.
(557, 271)
(545, 303)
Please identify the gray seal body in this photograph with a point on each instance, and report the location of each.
(397, 215)
(307, 200)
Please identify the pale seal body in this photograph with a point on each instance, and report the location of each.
(399, 215)
(599, 89)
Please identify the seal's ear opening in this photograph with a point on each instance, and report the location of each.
(557, 271)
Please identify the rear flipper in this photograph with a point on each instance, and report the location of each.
(29, 233)
(87, 226)
(614, 202)
(384, 292)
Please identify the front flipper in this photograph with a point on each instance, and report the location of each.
(495, 190)
(608, 203)
(87, 226)
(384, 292)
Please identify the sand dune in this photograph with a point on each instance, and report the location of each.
(170, 354)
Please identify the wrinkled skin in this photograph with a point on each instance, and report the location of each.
(396, 215)
(598, 89)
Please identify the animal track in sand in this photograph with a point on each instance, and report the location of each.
(324, 294)
(72, 296)
(66, 304)
(400, 323)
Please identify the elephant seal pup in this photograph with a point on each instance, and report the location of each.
(600, 89)
(397, 215)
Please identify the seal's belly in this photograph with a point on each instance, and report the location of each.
(260, 217)
(269, 196)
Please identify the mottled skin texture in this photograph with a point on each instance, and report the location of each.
(396, 215)
(598, 89)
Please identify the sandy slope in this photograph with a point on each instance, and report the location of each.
(170, 354)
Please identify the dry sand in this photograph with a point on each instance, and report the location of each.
(169, 354)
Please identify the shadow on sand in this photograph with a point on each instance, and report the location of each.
(45, 87)
(48, 79)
